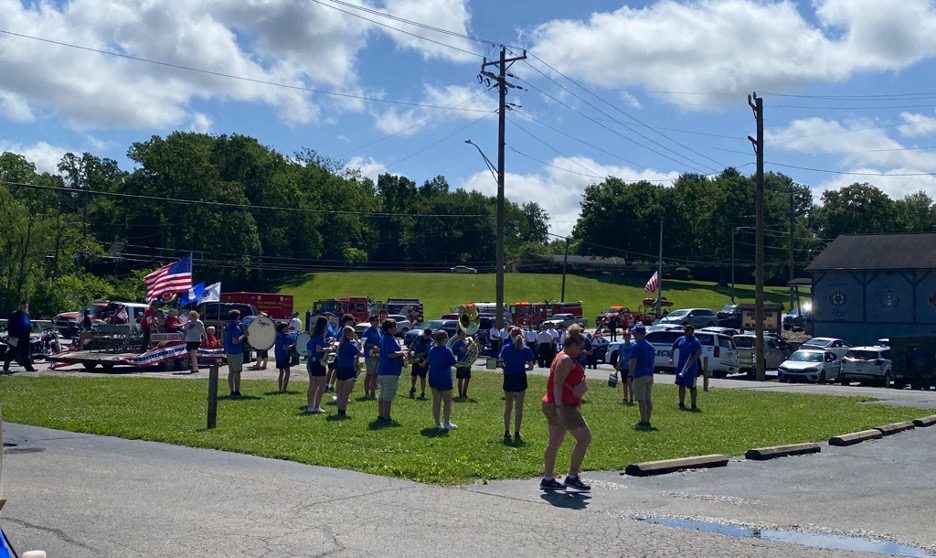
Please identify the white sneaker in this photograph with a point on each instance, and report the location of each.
(450, 426)
(311, 409)
(438, 426)
(317, 410)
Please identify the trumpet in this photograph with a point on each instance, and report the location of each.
(419, 358)
(375, 351)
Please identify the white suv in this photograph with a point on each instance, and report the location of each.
(864, 364)
(717, 348)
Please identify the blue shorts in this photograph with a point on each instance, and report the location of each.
(687, 380)
(441, 384)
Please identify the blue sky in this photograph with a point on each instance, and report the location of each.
(659, 87)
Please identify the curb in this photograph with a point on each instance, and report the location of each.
(896, 427)
(855, 437)
(762, 454)
(665, 466)
(925, 421)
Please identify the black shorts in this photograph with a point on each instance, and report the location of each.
(315, 368)
(419, 371)
(625, 374)
(192, 345)
(263, 354)
(293, 358)
(283, 363)
(463, 373)
(345, 373)
(515, 382)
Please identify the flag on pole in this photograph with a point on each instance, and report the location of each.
(191, 296)
(212, 293)
(172, 278)
(124, 317)
(653, 284)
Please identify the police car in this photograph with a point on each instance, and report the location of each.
(719, 349)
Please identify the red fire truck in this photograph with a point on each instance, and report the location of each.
(278, 306)
(534, 313)
(357, 306)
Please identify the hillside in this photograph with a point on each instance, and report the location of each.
(440, 292)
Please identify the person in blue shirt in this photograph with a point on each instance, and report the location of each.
(371, 339)
(688, 365)
(418, 352)
(316, 366)
(389, 369)
(462, 373)
(346, 374)
(19, 328)
(624, 356)
(281, 348)
(441, 360)
(234, 335)
(516, 359)
(641, 370)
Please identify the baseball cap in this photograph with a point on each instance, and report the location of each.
(639, 328)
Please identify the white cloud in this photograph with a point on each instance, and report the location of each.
(368, 167)
(201, 123)
(557, 191)
(15, 107)
(472, 102)
(917, 125)
(452, 15)
(897, 187)
(738, 46)
(46, 157)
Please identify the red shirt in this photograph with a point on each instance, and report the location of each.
(173, 325)
(149, 318)
(210, 340)
(575, 377)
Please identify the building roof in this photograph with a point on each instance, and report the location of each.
(879, 252)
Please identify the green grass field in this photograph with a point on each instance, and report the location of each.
(440, 292)
(270, 425)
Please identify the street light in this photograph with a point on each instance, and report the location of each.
(733, 233)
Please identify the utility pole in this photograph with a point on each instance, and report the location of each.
(792, 274)
(500, 81)
(565, 261)
(757, 105)
(659, 312)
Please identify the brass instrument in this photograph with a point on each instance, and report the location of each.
(331, 353)
(469, 321)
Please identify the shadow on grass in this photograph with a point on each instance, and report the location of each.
(568, 500)
(645, 428)
(239, 398)
(288, 392)
(514, 443)
(463, 400)
(380, 424)
(335, 418)
(433, 432)
(364, 398)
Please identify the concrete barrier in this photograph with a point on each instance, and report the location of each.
(896, 427)
(762, 454)
(855, 437)
(665, 466)
(925, 421)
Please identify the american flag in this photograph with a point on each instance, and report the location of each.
(123, 315)
(171, 278)
(654, 283)
(183, 318)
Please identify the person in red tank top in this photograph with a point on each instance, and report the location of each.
(561, 406)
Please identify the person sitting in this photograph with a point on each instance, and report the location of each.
(173, 324)
(211, 340)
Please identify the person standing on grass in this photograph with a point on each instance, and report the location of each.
(371, 338)
(441, 360)
(331, 376)
(516, 359)
(544, 349)
(315, 366)
(641, 371)
(194, 334)
(462, 373)
(561, 406)
(687, 365)
(346, 375)
(282, 350)
(624, 357)
(494, 336)
(529, 336)
(234, 335)
(389, 370)
(419, 353)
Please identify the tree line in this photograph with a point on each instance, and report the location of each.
(255, 218)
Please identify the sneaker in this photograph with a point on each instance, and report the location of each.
(517, 437)
(317, 410)
(694, 408)
(450, 426)
(422, 395)
(412, 393)
(310, 410)
(576, 484)
(507, 437)
(439, 426)
(551, 484)
(682, 406)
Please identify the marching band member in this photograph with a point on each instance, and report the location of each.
(390, 368)
(371, 338)
(263, 357)
(234, 335)
(419, 353)
(315, 366)
(346, 320)
(516, 359)
(463, 373)
(441, 359)
(281, 352)
(347, 359)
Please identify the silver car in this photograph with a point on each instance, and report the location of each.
(832, 344)
(698, 317)
(811, 365)
(865, 364)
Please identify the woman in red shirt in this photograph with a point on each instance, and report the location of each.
(561, 405)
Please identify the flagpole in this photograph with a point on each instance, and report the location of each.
(659, 311)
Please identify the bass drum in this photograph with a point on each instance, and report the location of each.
(261, 333)
(302, 343)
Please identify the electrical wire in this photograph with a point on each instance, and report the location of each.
(881, 174)
(522, 129)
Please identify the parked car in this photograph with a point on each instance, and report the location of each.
(811, 365)
(866, 364)
(217, 313)
(698, 317)
(402, 324)
(729, 331)
(775, 352)
(565, 320)
(730, 316)
(831, 344)
(717, 348)
(883, 342)
(463, 269)
(797, 319)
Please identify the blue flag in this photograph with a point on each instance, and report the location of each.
(191, 296)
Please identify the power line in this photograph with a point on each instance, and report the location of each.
(522, 129)
(231, 76)
(868, 97)
(788, 138)
(590, 175)
(882, 175)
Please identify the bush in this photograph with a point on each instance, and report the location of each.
(682, 273)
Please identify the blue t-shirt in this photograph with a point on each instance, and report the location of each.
(687, 347)
(346, 355)
(281, 347)
(233, 330)
(515, 359)
(441, 360)
(387, 366)
(19, 325)
(583, 356)
(371, 338)
(625, 355)
(310, 346)
(644, 352)
(421, 345)
(460, 349)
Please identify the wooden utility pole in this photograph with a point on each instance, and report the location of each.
(565, 261)
(500, 81)
(757, 105)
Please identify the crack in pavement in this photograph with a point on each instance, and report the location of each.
(57, 532)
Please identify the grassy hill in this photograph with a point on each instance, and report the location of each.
(440, 292)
